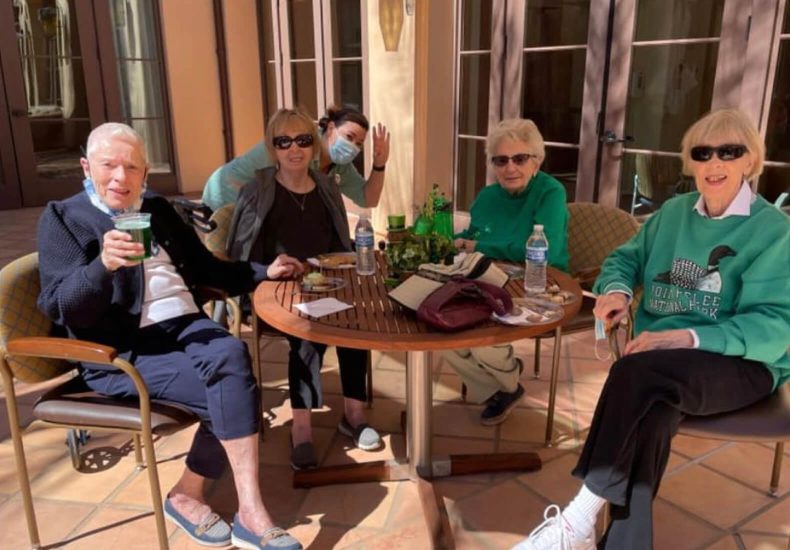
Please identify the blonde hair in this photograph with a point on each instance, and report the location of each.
(284, 119)
(517, 129)
(725, 123)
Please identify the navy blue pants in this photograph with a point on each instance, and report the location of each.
(194, 361)
(640, 409)
(304, 373)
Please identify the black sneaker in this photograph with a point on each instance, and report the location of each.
(499, 406)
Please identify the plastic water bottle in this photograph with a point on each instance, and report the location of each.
(366, 255)
(537, 259)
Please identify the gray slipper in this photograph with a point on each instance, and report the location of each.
(364, 436)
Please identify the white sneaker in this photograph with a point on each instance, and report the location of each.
(554, 534)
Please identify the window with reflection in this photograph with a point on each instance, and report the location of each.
(136, 33)
(473, 101)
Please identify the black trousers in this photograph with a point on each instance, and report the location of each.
(305, 359)
(640, 408)
(194, 361)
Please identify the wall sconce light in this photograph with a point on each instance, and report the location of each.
(409, 7)
(391, 23)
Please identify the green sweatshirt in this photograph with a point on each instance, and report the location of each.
(728, 279)
(501, 223)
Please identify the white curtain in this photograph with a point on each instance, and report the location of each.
(63, 52)
(27, 51)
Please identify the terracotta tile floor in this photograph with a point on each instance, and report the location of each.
(714, 494)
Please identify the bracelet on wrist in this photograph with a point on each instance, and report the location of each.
(380, 168)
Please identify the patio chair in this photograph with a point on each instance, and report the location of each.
(29, 354)
(594, 231)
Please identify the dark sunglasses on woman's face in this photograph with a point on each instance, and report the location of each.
(728, 151)
(284, 142)
(500, 161)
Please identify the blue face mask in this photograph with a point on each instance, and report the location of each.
(90, 190)
(342, 151)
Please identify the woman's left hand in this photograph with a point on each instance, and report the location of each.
(284, 266)
(381, 145)
(664, 339)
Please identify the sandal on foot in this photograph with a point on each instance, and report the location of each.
(272, 539)
(211, 531)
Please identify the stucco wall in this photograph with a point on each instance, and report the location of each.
(241, 37)
(188, 36)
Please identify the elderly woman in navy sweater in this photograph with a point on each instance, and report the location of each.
(146, 310)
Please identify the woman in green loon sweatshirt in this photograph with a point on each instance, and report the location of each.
(713, 329)
(502, 218)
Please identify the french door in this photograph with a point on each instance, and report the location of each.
(65, 67)
(613, 85)
(47, 58)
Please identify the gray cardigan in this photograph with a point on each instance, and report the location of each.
(255, 201)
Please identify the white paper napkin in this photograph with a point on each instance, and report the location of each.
(324, 306)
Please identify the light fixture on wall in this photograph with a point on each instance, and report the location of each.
(409, 7)
(391, 23)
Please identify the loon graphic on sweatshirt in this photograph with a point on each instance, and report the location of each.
(692, 276)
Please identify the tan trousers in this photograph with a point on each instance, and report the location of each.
(485, 371)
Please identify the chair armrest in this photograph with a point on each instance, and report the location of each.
(62, 348)
(82, 351)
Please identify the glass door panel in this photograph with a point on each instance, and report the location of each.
(302, 56)
(476, 20)
(139, 69)
(54, 83)
(776, 175)
(52, 110)
(553, 61)
(668, 55)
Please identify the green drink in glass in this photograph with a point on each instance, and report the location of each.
(138, 225)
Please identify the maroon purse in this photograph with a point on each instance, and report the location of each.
(463, 303)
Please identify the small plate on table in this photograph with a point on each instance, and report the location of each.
(334, 260)
(328, 284)
(531, 311)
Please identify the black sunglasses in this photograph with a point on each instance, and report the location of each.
(500, 161)
(728, 151)
(284, 142)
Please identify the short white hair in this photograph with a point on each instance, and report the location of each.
(111, 130)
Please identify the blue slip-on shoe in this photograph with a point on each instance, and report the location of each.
(273, 539)
(211, 531)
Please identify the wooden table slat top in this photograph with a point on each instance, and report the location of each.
(378, 322)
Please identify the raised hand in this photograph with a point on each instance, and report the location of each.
(381, 145)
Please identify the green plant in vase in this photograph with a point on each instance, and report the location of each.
(429, 240)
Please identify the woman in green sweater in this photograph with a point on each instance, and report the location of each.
(502, 218)
(713, 329)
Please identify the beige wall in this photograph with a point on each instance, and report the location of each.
(188, 36)
(241, 37)
(391, 81)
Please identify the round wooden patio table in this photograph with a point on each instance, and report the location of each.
(378, 323)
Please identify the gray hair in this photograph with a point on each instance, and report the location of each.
(113, 130)
(517, 129)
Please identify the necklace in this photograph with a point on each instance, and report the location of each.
(293, 197)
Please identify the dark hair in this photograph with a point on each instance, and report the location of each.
(341, 115)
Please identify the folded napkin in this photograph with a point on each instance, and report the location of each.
(324, 306)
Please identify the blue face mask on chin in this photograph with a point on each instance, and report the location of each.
(342, 151)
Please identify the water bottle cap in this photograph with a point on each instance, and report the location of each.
(538, 227)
